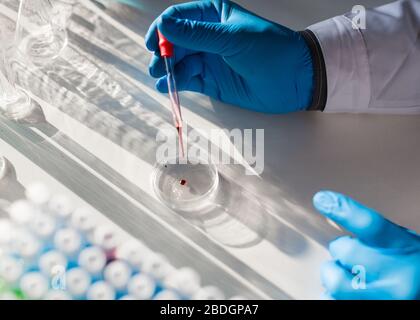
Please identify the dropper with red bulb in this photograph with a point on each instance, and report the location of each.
(167, 53)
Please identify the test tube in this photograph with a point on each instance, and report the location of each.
(101, 290)
(11, 269)
(22, 212)
(106, 237)
(167, 295)
(83, 220)
(26, 246)
(186, 281)
(77, 282)
(209, 293)
(60, 206)
(6, 232)
(134, 252)
(38, 193)
(57, 295)
(51, 259)
(127, 297)
(118, 273)
(44, 227)
(9, 296)
(93, 260)
(69, 242)
(157, 266)
(34, 285)
(142, 287)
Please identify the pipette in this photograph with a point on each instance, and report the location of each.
(167, 53)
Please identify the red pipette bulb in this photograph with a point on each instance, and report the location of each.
(166, 48)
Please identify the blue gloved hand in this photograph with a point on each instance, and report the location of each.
(384, 254)
(230, 54)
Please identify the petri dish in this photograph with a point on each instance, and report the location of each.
(41, 48)
(187, 187)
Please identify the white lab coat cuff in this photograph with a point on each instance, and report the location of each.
(347, 65)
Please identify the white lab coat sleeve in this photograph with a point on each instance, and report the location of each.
(374, 69)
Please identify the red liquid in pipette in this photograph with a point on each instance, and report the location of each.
(180, 140)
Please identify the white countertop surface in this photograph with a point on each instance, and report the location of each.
(100, 148)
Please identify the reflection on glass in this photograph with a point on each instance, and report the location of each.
(15, 103)
(188, 187)
(3, 168)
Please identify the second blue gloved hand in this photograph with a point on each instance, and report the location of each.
(383, 262)
(230, 54)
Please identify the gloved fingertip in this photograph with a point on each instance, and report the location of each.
(326, 202)
(166, 18)
(167, 25)
(152, 71)
(156, 68)
(331, 276)
(325, 267)
(151, 44)
(161, 85)
(340, 247)
(151, 38)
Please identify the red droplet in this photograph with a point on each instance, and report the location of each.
(183, 182)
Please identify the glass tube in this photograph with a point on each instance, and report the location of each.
(15, 103)
(3, 169)
(41, 28)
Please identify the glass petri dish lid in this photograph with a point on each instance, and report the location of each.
(188, 187)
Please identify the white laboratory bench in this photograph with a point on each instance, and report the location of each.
(96, 142)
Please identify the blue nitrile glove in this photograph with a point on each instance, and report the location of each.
(385, 254)
(230, 54)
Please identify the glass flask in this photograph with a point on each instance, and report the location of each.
(42, 28)
(15, 103)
